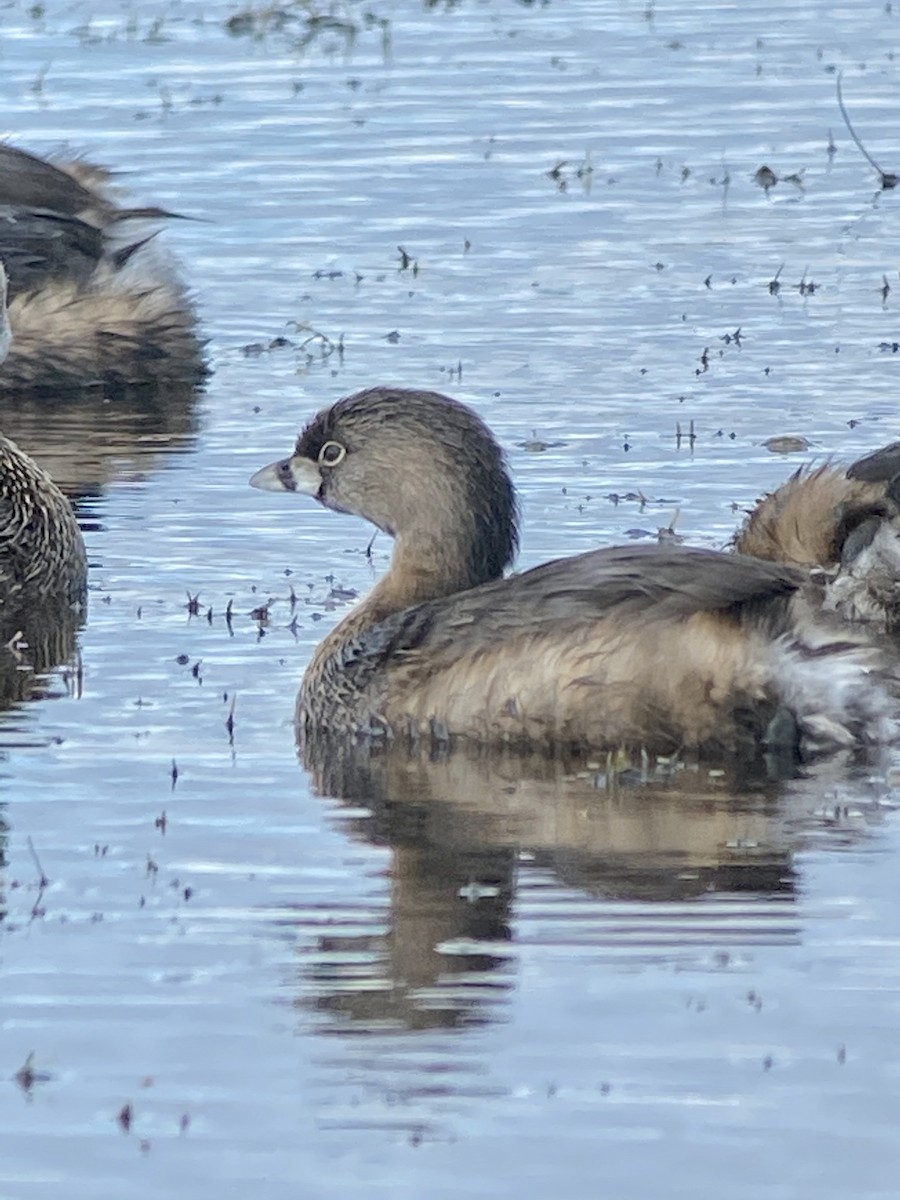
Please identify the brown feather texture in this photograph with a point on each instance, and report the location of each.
(658, 648)
(41, 549)
(844, 525)
(94, 301)
(42, 555)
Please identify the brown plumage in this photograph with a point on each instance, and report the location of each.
(93, 301)
(73, 187)
(658, 648)
(845, 524)
(41, 549)
(43, 576)
(42, 556)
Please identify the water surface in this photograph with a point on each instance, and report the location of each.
(447, 979)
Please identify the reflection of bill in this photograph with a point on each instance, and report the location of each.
(647, 866)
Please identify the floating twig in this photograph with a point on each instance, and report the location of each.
(888, 178)
(43, 881)
(680, 436)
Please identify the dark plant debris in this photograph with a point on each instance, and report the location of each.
(680, 436)
(26, 1076)
(888, 179)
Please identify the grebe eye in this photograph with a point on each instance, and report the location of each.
(331, 454)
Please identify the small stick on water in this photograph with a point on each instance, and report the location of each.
(680, 436)
(888, 178)
(43, 881)
(37, 909)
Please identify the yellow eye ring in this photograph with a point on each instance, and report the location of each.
(331, 454)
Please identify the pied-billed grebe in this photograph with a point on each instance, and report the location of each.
(653, 647)
(42, 556)
(92, 301)
(41, 549)
(843, 522)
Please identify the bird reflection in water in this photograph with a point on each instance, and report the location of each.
(475, 835)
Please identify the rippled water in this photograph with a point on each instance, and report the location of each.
(447, 979)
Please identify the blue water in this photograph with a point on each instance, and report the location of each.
(469, 982)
